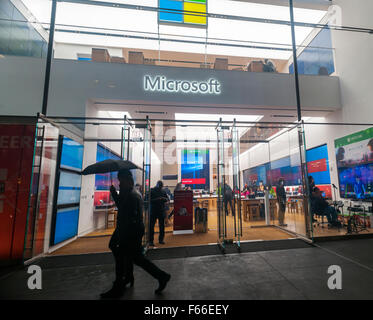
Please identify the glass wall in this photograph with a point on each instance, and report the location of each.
(42, 191)
(23, 51)
(339, 158)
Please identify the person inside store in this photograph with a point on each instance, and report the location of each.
(158, 198)
(321, 207)
(268, 66)
(139, 188)
(228, 198)
(260, 189)
(312, 186)
(281, 199)
(245, 191)
(168, 192)
(311, 183)
(126, 241)
(369, 154)
(340, 156)
(179, 187)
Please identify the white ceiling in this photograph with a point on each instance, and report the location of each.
(242, 32)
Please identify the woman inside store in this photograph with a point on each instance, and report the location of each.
(126, 241)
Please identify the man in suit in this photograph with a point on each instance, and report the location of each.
(158, 198)
(126, 241)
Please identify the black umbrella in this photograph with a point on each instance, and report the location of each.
(109, 165)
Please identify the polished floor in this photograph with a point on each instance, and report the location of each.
(96, 243)
(98, 240)
(288, 274)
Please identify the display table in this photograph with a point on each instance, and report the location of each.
(109, 213)
(250, 209)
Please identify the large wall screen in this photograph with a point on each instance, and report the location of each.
(105, 180)
(68, 188)
(195, 168)
(354, 155)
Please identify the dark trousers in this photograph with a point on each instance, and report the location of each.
(129, 252)
(153, 219)
(281, 212)
(331, 214)
(226, 201)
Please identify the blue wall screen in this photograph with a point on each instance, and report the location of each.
(319, 155)
(66, 212)
(69, 188)
(66, 224)
(72, 155)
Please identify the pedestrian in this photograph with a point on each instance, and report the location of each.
(126, 241)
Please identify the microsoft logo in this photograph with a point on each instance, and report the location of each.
(162, 84)
(192, 12)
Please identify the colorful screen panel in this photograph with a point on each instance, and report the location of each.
(195, 168)
(192, 12)
(354, 155)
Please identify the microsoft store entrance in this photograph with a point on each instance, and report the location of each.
(213, 197)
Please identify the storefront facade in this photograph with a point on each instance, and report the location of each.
(153, 113)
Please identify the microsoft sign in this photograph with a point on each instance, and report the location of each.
(162, 84)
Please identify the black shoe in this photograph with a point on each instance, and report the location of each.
(115, 292)
(161, 242)
(163, 283)
(151, 244)
(130, 281)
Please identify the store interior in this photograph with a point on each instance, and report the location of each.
(187, 148)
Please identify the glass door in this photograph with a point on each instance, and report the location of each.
(146, 175)
(125, 141)
(221, 217)
(39, 212)
(236, 187)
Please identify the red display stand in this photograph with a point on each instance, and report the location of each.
(183, 208)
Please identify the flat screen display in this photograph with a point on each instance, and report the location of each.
(66, 214)
(69, 188)
(195, 168)
(72, 155)
(354, 156)
(103, 181)
(66, 224)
